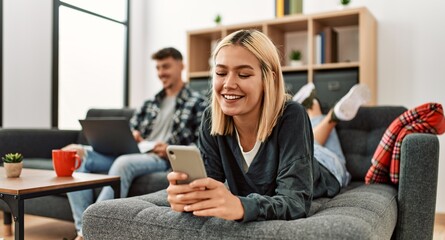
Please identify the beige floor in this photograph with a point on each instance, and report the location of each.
(439, 232)
(439, 227)
(39, 228)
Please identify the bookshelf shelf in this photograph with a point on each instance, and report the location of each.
(234, 28)
(200, 74)
(334, 45)
(336, 65)
(293, 69)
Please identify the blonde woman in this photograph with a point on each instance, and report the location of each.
(255, 138)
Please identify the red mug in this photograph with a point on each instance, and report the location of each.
(65, 162)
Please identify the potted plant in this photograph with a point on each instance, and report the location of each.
(218, 19)
(13, 163)
(295, 58)
(344, 4)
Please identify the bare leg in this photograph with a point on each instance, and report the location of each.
(344, 110)
(324, 128)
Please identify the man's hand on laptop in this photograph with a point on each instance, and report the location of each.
(160, 149)
(137, 136)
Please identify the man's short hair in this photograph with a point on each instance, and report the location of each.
(167, 52)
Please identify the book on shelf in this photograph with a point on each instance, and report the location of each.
(326, 46)
(295, 6)
(279, 8)
(287, 7)
(331, 45)
(318, 48)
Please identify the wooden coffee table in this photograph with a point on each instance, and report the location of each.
(34, 183)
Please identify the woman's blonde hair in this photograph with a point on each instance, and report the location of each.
(274, 95)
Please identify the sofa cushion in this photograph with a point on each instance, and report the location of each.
(35, 143)
(38, 163)
(148, 183)
(364, 212)
(359, 137)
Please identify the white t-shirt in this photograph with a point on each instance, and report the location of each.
(250, 155)
(162, 128)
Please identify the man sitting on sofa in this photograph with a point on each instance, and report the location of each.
(172, 117)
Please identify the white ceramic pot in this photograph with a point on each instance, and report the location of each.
(13, 170)
(296, 63)
(342, 7)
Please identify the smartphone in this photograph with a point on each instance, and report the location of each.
(186, 159)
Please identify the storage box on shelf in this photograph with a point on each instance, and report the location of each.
(338, 50)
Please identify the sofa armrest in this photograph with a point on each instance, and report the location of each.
(417, 186)
(35, 143)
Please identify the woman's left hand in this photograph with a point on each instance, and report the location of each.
(216, 200)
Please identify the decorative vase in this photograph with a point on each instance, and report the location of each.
(13, 170)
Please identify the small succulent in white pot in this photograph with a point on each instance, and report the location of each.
(295, 58)
(13, 164)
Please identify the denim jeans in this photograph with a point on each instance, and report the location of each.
(127, 167)
(330, 155)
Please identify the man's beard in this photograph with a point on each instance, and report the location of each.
(169, 83)
(168, 86)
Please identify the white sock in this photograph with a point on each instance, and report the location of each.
(347, 107)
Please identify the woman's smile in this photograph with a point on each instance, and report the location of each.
(231, 97)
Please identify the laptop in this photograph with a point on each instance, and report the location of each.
(112, 136)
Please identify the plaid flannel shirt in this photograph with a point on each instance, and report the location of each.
(186, 119)
(426, 118)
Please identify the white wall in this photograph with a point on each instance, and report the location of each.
(410, 50)
(27, 27)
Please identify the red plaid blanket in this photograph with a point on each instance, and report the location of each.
(426, 118)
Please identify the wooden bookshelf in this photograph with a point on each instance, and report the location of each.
(349, 45)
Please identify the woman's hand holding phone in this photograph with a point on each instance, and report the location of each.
(215, 201)
(203, 197)
(175, 191)
(191, 190)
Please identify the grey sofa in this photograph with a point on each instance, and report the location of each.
(360, 211)
(36, 146)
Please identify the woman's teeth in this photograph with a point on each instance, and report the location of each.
(231, 97)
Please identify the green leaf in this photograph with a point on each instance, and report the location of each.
(12, 158)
